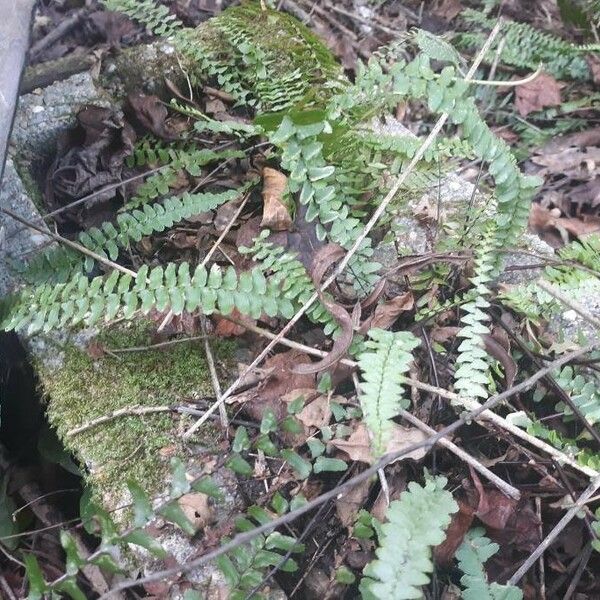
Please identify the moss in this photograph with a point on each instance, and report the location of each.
(32, 187)
(134, 447)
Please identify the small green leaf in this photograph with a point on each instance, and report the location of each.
(329, 464)
(241, 441)
(142, 507)
(179, 484)
(268, 422)
(35, 577)
(301, 467)
(239, 465)
(207, 486)
(173, 512)
(316, 447)
(279, 504)
(344, 575)
(145, 540)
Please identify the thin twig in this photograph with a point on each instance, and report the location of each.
(57, 32)
(546, 543)
(585, 558)
(156, 346)
(213, 374)
(542, 567)
(506, 488)
(357, 244)
(339, 490)
(71, 244)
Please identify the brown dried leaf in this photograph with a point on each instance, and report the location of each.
(358, 445)
(543, 91)
(386, 314)
(351, 502)
(459, 525)
(543, 220)
(151, 113)
(226, 328)
(276, 215)
(317, 413)
(197, 509)
(447, 9)
(494, 508)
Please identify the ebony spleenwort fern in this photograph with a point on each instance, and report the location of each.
(387, 356)
(172, 288)
(526, 47)
(58, 264)
(472, 374)
(475, 550)
(416, 523)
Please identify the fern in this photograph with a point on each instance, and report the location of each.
(416, 523)
(387, 356)
(173, 288)
(584, 391)
(526, 47)
(244, 567)
(475, 550)
(58, 264)
(472, 374)
(295, 284)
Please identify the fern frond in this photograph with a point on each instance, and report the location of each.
(584, 390)
(155, 17)
(475, 550)
(107, 239)
(472, 374)
(81, 300)
(416, 523)
(527, 47)
(383, 363)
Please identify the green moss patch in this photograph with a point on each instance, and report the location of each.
(137, 447)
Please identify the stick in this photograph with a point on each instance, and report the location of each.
(57, 32)
(213, 375)
(571, 513)
(344, 262)
(66, 242)
(385, 460)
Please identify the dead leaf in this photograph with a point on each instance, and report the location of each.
(317, 413)
(276, 214)
(494, 508)
(348, 505)
(447, 9)
(226, 328)
(545, 221)
(385, 314)
(459, 525)
(151, 113)
(197, 509)
(534, 95)
(358, 445)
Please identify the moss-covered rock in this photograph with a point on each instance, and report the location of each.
(84, 380)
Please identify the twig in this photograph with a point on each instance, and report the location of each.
(339, 490)
(542, 567)
(546, 543)
(213, 374)
(357, 244)
(488, 415)
(7, 591)
(225, 231)
(360, 19)
(128, 411)
(71, 244)
(508, 489)
(156, 346)
(573, 304)
(585, 558)
(57, 32)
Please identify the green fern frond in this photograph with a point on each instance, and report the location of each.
(155, 17)
(527, 47)
(58, 264)
(174, 288)
(385, 359)
(475, 550)
(416, 523)
(472, 375)
(584, 390)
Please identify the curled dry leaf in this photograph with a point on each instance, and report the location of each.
(545, 221)
(459, 525)
(197, 509)
(534, 95)
(317, 413)
(276, 214)
(358, 445)
(348, 505)
(494, 508)
(386, 314)
(151, 113)
(323, 259)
